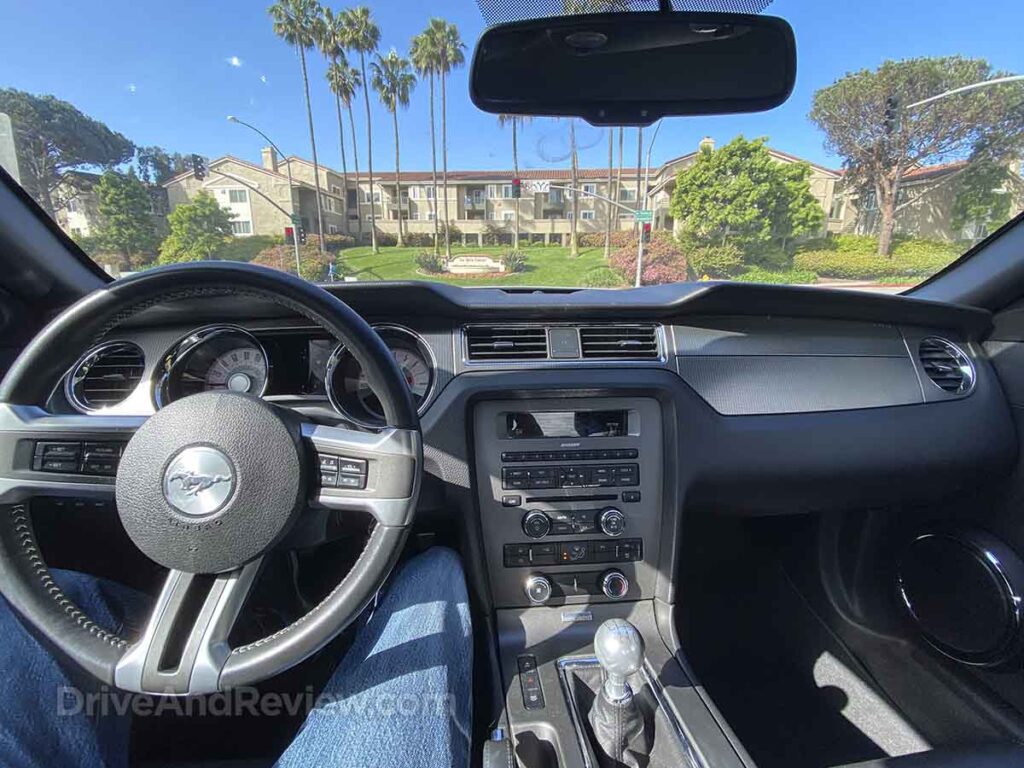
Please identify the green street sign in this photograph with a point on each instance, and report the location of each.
(296, 219)
(644, 217)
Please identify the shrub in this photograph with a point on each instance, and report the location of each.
(514, 261)
(909, 259)
(494, 233)
(313, 265)
(771, 258)
(420, 239)
(602, 277)
(718, 261)
(664, 261)
(335, 243)
(247, 248)
(789, 276)
(386, 239)
(620, 239)
(430, 262)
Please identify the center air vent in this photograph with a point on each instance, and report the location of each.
(946, 365)
(619, 342)
(506, 342)
(106, 376)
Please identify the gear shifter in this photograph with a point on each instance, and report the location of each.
(618, 724)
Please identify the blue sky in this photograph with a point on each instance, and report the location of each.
(168, 74)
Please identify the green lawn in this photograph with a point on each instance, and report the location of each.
(551, 266)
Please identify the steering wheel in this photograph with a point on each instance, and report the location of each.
(206, 487)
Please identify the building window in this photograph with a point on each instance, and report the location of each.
(72, 206)
(353, 216)
(428, 193)
(376, 196)
(587, 215)
(627, 195)
(331, 229)
(555, 196)
(414, 193)
(590, 189)
(241, 227)
(430, 216)
(490, 216)
(836, 211)
(508, 216)
(353, 199)
(335, 190)
(237, 196)
(415, 216)
(369, 217)
(327, 203)
(568, 215)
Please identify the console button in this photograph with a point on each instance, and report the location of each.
(561, 528)
(544, 554)
(526, 663)
(538, 589)
(536, 524)
(574, 552)
(512, 500)
(631, 497)
(614, 585)
(612, 522)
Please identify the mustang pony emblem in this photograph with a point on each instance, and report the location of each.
(193, 483)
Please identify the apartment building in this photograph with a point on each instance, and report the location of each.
(479, 203)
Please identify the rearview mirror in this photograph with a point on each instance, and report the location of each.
(634, 68)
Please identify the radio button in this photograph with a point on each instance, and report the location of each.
(536, 524)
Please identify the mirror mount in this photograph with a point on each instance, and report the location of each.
(634, 68)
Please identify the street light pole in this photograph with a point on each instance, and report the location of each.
(288, 169)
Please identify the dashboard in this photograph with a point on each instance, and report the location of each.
(568, 429)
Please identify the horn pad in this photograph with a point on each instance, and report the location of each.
(211, 481)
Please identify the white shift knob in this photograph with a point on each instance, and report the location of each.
(620, 651)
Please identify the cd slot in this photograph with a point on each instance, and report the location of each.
(601, 497)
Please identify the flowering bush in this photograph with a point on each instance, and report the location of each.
(664, 261)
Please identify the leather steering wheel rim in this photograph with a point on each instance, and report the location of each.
(24, 578)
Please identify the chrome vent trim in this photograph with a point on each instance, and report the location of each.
(619, 342)
(946, 365)
(505, 342)
(105, 376)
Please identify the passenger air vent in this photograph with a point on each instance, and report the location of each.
(106, 376)
(506, 342)
(620, 342)
(946, 365)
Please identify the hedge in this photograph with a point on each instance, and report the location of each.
(915, 261)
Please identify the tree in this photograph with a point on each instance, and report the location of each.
(983, 197)
(739, 193)
(125, 217)
(362, 35)
(345, 81)
(424, 59)
(156, 165)
(52, 137)
(877, 153)
(198, 230)
(295, 22)
(393, 80)
(330, 37)
(447, 48)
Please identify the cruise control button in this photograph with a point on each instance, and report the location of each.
(98, 467)
(352, 466)
(59, 465)
(58, 450)
(351, 481)
(328, 479)
(328, 463)
(102, 450)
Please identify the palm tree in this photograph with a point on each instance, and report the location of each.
(329, 40)
(448, 50)
(393, 80)
(424, 59)
(362, 35)
(295, 22)
(345, 81)
(608, 206)
(515, 121)
(574, 168)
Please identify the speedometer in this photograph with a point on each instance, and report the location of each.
(243, 369)
(349, 390)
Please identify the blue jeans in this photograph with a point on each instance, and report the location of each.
(400, 697)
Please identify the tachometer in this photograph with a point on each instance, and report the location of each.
(219, 357)
(350, 392)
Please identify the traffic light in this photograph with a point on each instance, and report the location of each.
(289, 236)
(198, 167)
(647, 232)
(301, 234)
(892, 115)
(517, 188)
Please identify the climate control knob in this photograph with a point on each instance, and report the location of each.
(611, 521)
(536, 524)
(538, 589)
(615, 585)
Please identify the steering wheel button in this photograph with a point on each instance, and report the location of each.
(328, 463)
(351, 481)
(58, 450)
(352, 466)
(328, 479)
(59, 465)
(102, 450)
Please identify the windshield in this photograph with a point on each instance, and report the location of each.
(340, 142)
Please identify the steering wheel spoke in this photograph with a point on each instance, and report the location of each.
(373, 472)
(185, 644)
(45, 454)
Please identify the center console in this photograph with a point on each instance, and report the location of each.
(570, 498)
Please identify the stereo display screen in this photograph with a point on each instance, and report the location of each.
(522, 424)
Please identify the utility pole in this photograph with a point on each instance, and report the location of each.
(639, 228)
